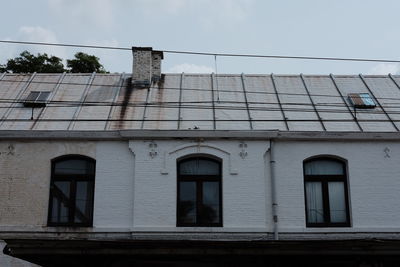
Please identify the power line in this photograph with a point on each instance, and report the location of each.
(306, 107)
(202, 120)
(58, 103)
(284, 57)
(188, 89)
(209, 53)
(66, 45)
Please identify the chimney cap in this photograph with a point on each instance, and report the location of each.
(139, 48)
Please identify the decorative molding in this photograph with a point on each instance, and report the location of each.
(199, 148)
(243, 150)
(153, 150)
(131, 147)
(164, 170)
(9, 151)
(387, 152)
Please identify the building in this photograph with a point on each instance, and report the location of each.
(219, 170)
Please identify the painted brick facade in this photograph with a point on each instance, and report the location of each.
(136, 185)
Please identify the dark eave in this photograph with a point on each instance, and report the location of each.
(196, 134)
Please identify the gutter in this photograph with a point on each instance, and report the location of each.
(273, 189)
(188, 134)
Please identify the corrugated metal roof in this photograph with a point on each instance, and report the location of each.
(200, 101)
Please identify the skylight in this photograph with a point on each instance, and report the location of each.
(363, 100)
(36, 99)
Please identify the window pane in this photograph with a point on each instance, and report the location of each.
(43, 96)
(324, 167)
(337, 204)
(32, 96)
(315, 211)
(199, 167)
(59, 212)
(187, 202)
(83, 202)
(74, 166)
(210, 208)
(60, 202)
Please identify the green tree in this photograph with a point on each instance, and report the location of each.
(42, 63)
(28, 63)
(84, 63)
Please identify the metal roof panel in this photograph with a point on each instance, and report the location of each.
(98, 102)
(204, 101)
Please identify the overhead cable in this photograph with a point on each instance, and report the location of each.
(189, 89)
(209, 53)
(202, 120)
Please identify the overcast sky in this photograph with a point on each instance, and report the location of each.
(340, 28)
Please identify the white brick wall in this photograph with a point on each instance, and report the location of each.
(113, 185)
(373, 183)
(243, 192)
(25, 178)
(135, 191)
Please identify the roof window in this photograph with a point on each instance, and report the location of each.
(36, 99)
(363, 100)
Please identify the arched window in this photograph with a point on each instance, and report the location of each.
(326, 196)
(199, 192)
(71, 191)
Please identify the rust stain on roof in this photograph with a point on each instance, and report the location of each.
(127, 92)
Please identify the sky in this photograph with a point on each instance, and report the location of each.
(319, 28)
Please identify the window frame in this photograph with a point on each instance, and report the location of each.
(36, 102)
(324, 180)
(73, 181)
(199, 180)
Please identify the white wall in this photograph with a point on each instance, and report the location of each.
(373, 181)
(243, 184)
(25, 169)
(136, 190)
(114, 186)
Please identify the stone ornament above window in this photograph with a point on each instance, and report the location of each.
(243, 147)
(153, 150)
(387, 152)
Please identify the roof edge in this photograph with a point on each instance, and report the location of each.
(190, 134)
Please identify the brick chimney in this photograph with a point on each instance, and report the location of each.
(146, 66)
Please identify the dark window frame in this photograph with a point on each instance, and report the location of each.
(362, 100)
(39, 100)
(199, 179)
(324, 180)
(71, 201)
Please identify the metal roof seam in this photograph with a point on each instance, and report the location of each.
(145, 107)
(83, 98)
(213, 101)
(180, 100)
(384, 111)
(20, 93)
(344, 101)
(51, 97)
(279, 101)
(312, 102)
(246, 102)
(112, 108)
